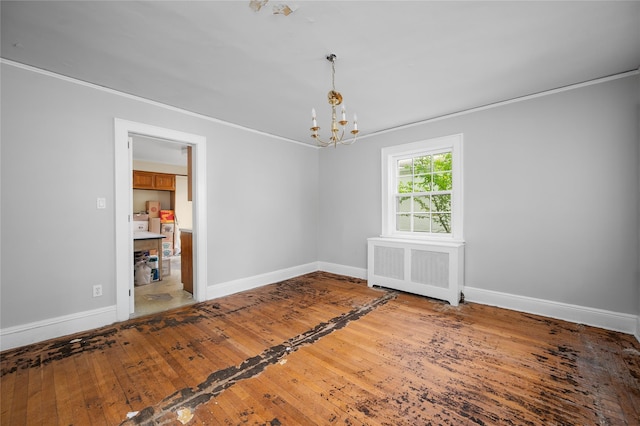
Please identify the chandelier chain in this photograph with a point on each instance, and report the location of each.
(333, 75)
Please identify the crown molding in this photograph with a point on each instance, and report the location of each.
(147, 101)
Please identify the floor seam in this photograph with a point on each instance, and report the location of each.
(190, 398)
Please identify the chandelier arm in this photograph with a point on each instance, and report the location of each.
(318, 139)
(349, 141)
(340, 140)
(322, 143)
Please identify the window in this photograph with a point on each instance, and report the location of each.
(422, 189)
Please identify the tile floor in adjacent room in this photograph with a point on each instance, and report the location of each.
(162, 295)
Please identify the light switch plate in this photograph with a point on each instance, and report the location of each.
(101, 203)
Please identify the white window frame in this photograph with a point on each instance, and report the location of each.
(391, 155)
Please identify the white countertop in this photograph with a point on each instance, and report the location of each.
(145, 235)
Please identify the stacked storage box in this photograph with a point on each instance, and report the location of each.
(167, 228)
(140, 222)
(153, 208)
(162, 222)
(166, 267)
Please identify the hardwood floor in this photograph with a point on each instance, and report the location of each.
(325, 349)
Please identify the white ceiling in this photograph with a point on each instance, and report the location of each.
(398, 62)
(154, 150)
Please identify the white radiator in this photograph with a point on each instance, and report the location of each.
(433, 269)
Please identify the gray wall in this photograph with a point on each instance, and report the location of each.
(57, 157)
(550, 196)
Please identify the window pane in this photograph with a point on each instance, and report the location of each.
(421, 204)
(403, 204)
(442, 181)
(441, 203)
(421, 223)
(442, 162)
(405, 184)
(422, 183)
(422, 165)
(441, 223)
(403, 222)
(405, 167)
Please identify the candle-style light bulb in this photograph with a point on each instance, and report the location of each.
(344, 113)
(313, 117)
(355, 122)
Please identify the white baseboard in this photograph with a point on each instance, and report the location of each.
(26, 334)
(38, 331)
(243, 284)
(625, 323)
(349, 271)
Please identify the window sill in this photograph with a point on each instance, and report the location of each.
(434, 241)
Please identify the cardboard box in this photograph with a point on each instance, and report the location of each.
(167, 216)
(167, 229)
(153, 208)
(140, 217)
(166, 267)
(154, 225)
(139, 226)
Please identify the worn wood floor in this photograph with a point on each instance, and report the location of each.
(323, 349)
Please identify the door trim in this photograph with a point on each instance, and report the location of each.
(123, 209)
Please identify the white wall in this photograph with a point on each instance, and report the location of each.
(159, 167)
(551, 196)
(184, 207)
(58, 157)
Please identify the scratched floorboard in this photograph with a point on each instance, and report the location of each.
(325, 349)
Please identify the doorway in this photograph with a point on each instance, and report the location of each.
(125, 289)
(158, 275)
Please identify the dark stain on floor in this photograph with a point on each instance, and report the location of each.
(34, 356)
(220, 380)
(561, 370)
(38, 354)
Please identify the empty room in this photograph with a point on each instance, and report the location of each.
(320, 212)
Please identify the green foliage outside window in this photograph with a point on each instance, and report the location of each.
(427, 182)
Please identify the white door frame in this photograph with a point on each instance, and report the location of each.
(123, 209)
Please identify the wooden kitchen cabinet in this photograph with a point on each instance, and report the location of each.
(142, 180)
(152, 180)
(186, 261)
(164, 182)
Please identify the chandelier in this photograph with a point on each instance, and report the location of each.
(337, 127)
